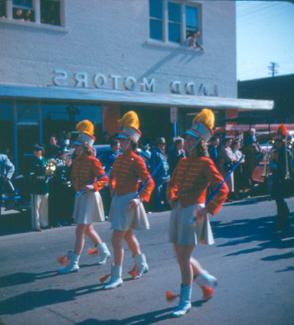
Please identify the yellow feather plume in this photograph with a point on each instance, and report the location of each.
(86, 127)
(206, 117)
(130, 119)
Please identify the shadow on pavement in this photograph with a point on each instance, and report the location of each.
(147, 318)
(261, 231)
(23, 277)
(34, 299)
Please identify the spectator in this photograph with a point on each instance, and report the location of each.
(238, 173)
(253, 154)
(282, 176)
(39, 189)
(193, 40)
(52, 148)
(214, 149)
(160, 173)
(145, 153)
(108, 157)
(6, 172)
(176, 153)
(61, 194)
(226, 160)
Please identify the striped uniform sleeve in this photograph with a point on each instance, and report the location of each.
(100, 177)
(172, 188)
(215, 178)
(145, 177)
(112, 175)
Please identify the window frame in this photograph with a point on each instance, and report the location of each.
(36, 7)
(153, 19)
(183, 31)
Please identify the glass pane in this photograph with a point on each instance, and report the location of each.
(6, 130)
(155, 8)
(2, 8)
(27, 113)
(61, 119)
(50, 12)
(156, 29)
(23, 14)
(174, 32)
(174, 12)
(25, 4)
(191, 17)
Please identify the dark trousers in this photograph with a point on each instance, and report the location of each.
(159, 201)
(282, 213)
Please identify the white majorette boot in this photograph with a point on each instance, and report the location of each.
(206, 279)
(141, 265)
(185, 301)
(73, 263)
(104, 253)
(116, 279)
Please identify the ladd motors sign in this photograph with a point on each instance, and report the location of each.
(62, 78)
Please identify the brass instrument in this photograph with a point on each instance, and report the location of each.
(288, 145)
(267, 159)
(50, 167)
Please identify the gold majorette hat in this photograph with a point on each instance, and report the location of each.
(202, 125)
(129, 127)
(86, 132)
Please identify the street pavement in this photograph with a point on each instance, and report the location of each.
(254, 266)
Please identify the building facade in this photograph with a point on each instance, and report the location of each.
(62, 61)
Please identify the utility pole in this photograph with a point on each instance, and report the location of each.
(273, 68)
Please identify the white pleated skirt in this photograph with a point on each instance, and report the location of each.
(184, 231)
(123, 218)
(88, 208)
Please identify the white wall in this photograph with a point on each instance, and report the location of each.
(111, 37)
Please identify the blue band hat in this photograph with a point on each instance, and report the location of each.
(202, 125)
(129, 127)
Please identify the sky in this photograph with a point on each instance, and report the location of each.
(265, 33)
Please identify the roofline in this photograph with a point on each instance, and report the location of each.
(133, 97)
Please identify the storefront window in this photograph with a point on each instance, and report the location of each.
(60, 119)
(6, 127)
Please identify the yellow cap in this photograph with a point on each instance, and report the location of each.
(85, 126)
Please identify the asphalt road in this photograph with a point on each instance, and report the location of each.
(253, 264)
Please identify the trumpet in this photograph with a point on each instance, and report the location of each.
(267, 159)
(288, 145)
(50, 167)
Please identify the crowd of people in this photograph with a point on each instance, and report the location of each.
(49, 173)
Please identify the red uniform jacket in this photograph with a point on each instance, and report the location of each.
(87, 170)
(190, 181)
(126, 172)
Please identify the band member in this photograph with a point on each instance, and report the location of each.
(88, 178)
(38, 185)
(189, 221)
(127, 211)
(282, 176)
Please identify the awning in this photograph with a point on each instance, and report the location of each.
(134, 98)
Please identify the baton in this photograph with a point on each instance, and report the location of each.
(214, 192)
